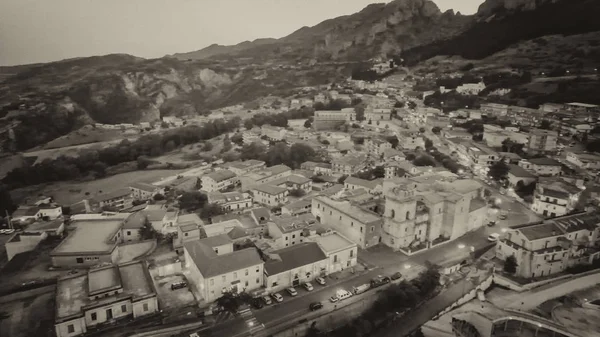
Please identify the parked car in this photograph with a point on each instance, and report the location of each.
(178, 285)
(308, 286)
(379, 281)
(493, 237)
(343, 294)
(361, 288)
(267, 300)
(277, 297)
(257, 303)
(333, 299)
(491, 224)
(292, 291)
(315, 306)
(320, 281)
(397, 275)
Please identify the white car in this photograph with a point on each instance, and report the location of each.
(277, 297)
(308, 286)
(493, 237)
(292, 291)
(320, 281)
(333, 299)
(343, 294)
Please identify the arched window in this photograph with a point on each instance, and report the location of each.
(407, 215)
(393, 214)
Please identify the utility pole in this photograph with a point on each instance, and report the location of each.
(9, 220)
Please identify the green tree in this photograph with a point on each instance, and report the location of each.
(308, 122)
(238, 139)
(436, 130)
(378, 172)
(248, 124)
(158, 197)
(297, 192)
(510, 264)
(231, 301)
(418, 333)
(342, 179)
(191, 201)
(6, 203)
(147, 232)
(211, 210)
(360, 113)
(207, 147)
(227, 144)
(424, 160)
(499, 170)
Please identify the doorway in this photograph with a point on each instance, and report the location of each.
(109, 314)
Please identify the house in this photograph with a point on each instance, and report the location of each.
(21, 242)
(584, 160)
(317, 168)
(144, 191)
(555, 197)
(551, 246)
(26, 213)
(376, 147)
(54, 228)
(509, 157)
(231, 201)
(393, 155)
(422, 211)
(542, 166)
(340, 251)
(214, 267)
(298, 207)
(293, 182)
(221, 227)
(119, 199)
(399, 169)
(247, 166)
(378, 114)
(459, 133)
(361, 226)
(103, 295)
(156, 217)
(470, 88)
(294, 265)
(270, 195)
(273, 133)
(371, 186)
(287, 230)
(519, 176)
(542, 141)
(331, 120)
(130, 231)
(494, 109)
(348, 164)
(251, 179)
(92, 240)
(187, 232)
(218, 180)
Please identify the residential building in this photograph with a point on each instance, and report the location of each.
(273, 133)
(231, 201)
(130, 231)
(317, 168)
(550, 246)
(470, 88)
(293, 266)
(247, 166)
(288, 230)
(423, 211)
(118, 200)
(410, 140)
(252, 179)
(542, 141)
(582, 108)
(340, 251)
(393, 155)
(185, 184)
(554, 197)
(459, 133)
(54, 228)
(187, 232)
(270, 195)
(103, 295)
(494, 136)
(331, 120)
(218, 180)
(26, 213)
(348, 164)
(378, 114)
(584, 160)
(376, 147)
(399, 169)
(221, 227)
(542, 166)
(510, 157)
(293, 182)
(91, 241)
(371, 186)
(357, 224)
(301, 206)
(251, 136)
(518, 176)
(214, 267)
(494, 109)
(144, 191)
(478, 157)
(22, 242)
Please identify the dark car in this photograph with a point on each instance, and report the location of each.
(178, 285)
(315, 306)
(257, 303)
(491, 224)
(379, 281)
(397, 275)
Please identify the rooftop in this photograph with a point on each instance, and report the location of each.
(210, 264)
(293, 257)
(539, 231)
(155, 215)
(545, 161)
(135, 221)
(25, 211)
(188, 227)
(350, 210)
(368, 184)
(40, 226)
(333, 242)
(350, 160)
(222, 227)
(247, 163)
(578, 222)
(103, 279)
(300, 204)
(216, 240)
(227, 196)
(89, 236)
(270, 189)
(189, 218)
(289, 223)
(144, 187)
(220, 175)
(519, 172)
(315, 164)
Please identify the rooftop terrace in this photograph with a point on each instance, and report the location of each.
(90, 236)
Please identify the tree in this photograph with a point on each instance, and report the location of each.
(436, 130)
(510, 264)
(170, 146)
(248, 124)
(4, 315)
(424, 160)
(412, 105)
(317, 179)
(147, 232)
(378, 172)
(211, 210)
(342, 179)
(297, 192)
(545, 125)
(238, 139)
(360, 113)
(207, 147)
(418, 333)
(231, 301)
(422, 130)
(308, 123)
(158, 197)
(191, 201)
(226, 144)
(6, 203)
(498, 170)
(399, 104)
(428, 144)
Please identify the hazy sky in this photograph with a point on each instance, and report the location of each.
(49, 30)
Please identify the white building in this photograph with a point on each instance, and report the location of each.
(554, 197)
(269, 195)
(341, 252)
(218, 180)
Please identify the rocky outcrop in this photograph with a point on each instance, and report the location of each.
(491, 7)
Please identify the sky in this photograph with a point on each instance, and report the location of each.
(34, 31)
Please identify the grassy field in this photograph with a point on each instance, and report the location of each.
(67, 193)
(192, 153)
(88, 135)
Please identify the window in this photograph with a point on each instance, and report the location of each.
(287, 238)
(393, 214)
(235, 275)
(246, 272)
(257, 280)
(352, 253)
(335, 259)
(258, 269)
(372, 229)
(407, 215)
(212, 281)
(94, 316)
(70, 328)
(352, 224)
(348, 264)
(293, 236)
(79, 260)
(128, 232)
(123, 308)
(246, 283)
(340, 217)
(145, 306)
(185, 234)
(217, 250)
(361, 229)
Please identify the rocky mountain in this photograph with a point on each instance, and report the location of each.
(377, 30)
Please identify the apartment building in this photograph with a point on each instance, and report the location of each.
(410, 140)
(251, 179)
(247, 166)
(144, 191)
(119, 200)
(270, 195)
(340, 251)
(421, 211)
(231, 201)
(359, 225)
(214, 267)
(186, 233)
(555, 197)
(543, 167)
(378, 114)
(494, 109)
(584, 160)
(288, 230)
(317, 168)
(542, 141)
(376, 147)
(218, 180)
(103, 295)
(348, 164)
(551, 246)
(293, 182)
(371, 186)
(273, 133)
(331, 120)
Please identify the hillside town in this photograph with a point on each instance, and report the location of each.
(374, 188)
